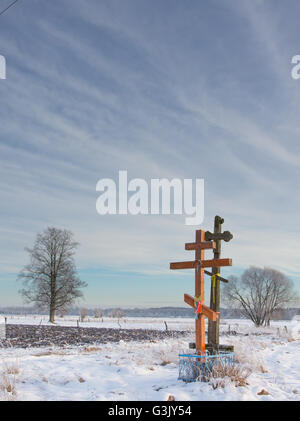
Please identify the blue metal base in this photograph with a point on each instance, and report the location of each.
(193, 367)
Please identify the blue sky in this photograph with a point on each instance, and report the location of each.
(197, 89)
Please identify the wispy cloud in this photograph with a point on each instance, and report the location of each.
(161, 90)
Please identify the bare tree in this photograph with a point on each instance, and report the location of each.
(62, 312)
(98, 313)
(83, 313)
(50, 279)
(259, 293)
(117, 313)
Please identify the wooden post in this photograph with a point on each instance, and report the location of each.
(197, 302)
(199, 290)
(213, 327)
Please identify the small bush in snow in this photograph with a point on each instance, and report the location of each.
(7, 387)
(237, 374)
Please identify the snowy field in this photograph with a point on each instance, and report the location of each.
(268, 358)
(107, 322)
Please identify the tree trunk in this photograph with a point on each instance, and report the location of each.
(214, 327)
(52, 299)
(52, 315)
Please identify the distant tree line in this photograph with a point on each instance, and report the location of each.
(226, 313)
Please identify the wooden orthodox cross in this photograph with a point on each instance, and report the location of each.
(197, 302)
(217, 236)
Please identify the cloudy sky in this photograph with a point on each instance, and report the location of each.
(197, 89)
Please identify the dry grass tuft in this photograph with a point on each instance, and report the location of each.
(8, 387)
(263, 392)
(168, 356)
(262, 369)
(254, 361)
(87, 349)
(12, 369)
(165, 362)
(8, 379)
(47, 353)
(237, 374)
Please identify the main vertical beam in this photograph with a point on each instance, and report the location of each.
(199, 290)
(213, 327)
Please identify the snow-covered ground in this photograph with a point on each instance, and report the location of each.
(149, 370)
